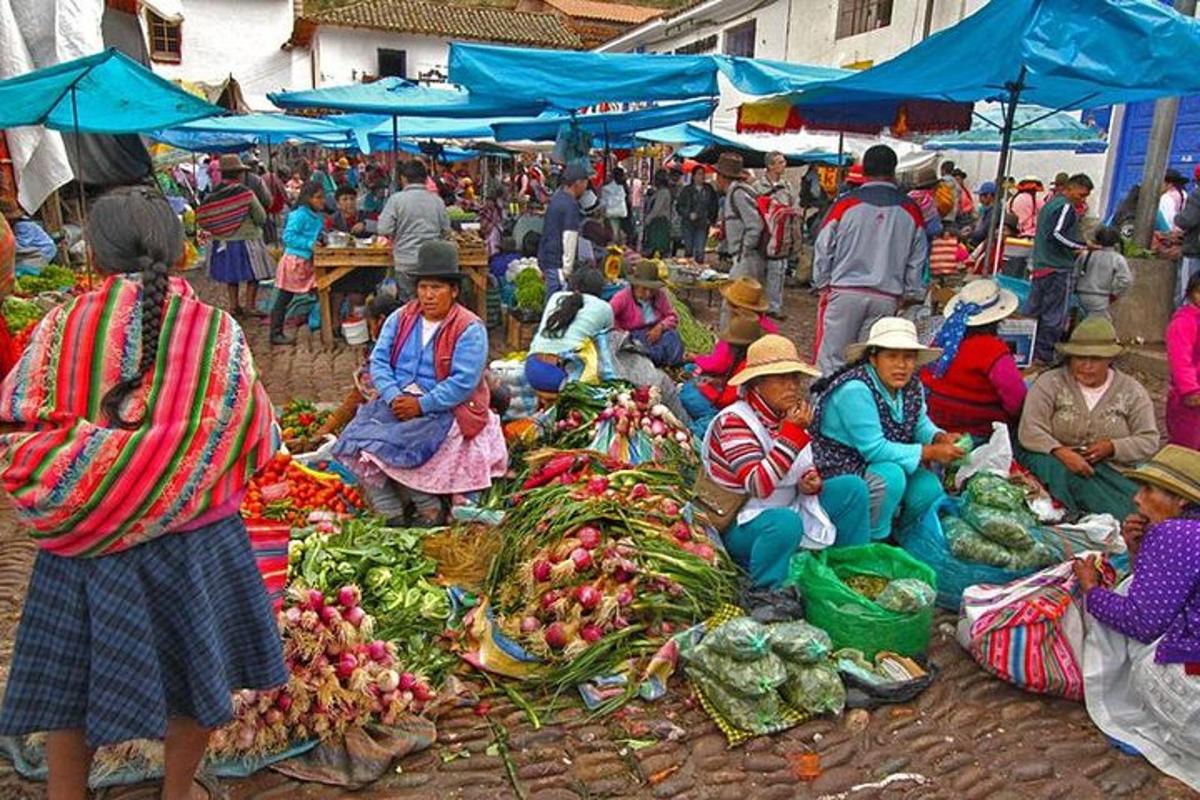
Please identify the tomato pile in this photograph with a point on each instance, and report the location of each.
(286, 492)
(301, 421)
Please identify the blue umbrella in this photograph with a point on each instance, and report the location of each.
(1034, 129)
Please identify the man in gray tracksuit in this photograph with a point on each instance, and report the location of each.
(742, 222)
(869, 259)
(772, 184)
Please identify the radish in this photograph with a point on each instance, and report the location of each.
(407, 682)
(704, 551)
(284, 701)
(589, 536)
(582, 559)
(670, 508)
(550, 598)
(530, 624)
(346, 666)
(330, 615)
(355, 615)
(658, 428)
(625, 596)
(421, 692)
(556, 636)
(681, 437)
(378, 651)
(273, 717)
(349, 596)
(388, 680)
(639, 491)
(597, 484)
(588, 597)
(591, 633)
(316, 600)
(681, 532)
(541, 571)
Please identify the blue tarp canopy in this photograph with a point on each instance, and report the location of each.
(1034, 129)
(398, 97)
(697, 141)
(569, 80)
(260, 128)
(614, 125)
(102, 93)
(446, 154)
(379, 135)
(205, 142)
(1062, 54)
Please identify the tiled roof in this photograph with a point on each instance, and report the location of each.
(609, 12)
(481, 23)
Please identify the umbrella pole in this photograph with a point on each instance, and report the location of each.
(995, 238)
(395, 152)
(87, 255)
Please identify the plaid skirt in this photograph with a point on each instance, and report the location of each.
(116, 645)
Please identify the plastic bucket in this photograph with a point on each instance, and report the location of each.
(355, 331)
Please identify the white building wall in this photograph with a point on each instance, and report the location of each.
(243, 38)
(344, 55)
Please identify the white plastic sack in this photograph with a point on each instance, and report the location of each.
(994, 456)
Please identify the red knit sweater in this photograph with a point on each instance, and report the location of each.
(964, 399)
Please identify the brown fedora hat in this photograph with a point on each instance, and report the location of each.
(230, 162)
(731, 165)
(741, 330)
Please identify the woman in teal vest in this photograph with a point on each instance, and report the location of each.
(430, 438)
(871, 427)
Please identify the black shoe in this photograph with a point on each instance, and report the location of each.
(281, 339)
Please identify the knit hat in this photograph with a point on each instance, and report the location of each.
(772, 355)
(1095, 337)
(745, 293)
(1175, 468)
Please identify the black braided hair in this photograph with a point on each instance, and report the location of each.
(133, 229)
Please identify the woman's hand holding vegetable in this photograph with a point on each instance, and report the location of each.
(1100, 451)
(1086, 573)
(811, 482)
(941, 450)
(1073, 461)
(406, 407)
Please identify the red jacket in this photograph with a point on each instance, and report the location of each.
(964, 399)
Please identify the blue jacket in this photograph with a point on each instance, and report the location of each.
(300, 234)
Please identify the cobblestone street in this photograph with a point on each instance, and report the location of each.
(969, 737)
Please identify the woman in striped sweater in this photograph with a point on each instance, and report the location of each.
(131, 427)
(759, 447)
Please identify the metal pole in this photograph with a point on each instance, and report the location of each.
(395, 152)
(87, 253)
(928, 29)
(1158, 153)
(997, 222)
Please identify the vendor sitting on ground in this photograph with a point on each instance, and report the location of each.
(571, 342)
(975, 382)
(1142, 661)
(871, 428)
(644, 309)
(709, 391)
(745, 297)
(430, 435)
(759, 447)
(1084, 421)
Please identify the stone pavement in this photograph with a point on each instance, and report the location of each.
(969, 737)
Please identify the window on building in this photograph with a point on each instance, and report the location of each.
(706, 45)
(392, 63)
(739, 40)
(860, 16)
(165, 40)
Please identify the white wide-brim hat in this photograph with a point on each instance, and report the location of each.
(995, 303)
(894, 333)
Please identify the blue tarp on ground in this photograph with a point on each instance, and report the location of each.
(1076, 53)
(395, 96)
(112, 94)
(1034, 129)
(614, 125)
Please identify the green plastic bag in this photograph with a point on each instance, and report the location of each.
(852, 620)
(744, 678)
(907, 595)
(799, 642)
(758, 715)
(741, 638)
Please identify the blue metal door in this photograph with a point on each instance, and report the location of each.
(1131, 147)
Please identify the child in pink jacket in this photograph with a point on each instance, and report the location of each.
(1183, 355)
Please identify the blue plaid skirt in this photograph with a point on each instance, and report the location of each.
(117, 645)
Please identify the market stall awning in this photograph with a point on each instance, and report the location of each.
(267, 128)
(612, 125)
(705, 145)
(1060, 54)
(1034, 129)
(198, 142)
(570, 80)
(105, 92)
(762, 76)
(398, 97)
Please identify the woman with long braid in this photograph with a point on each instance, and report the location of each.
(130, 429)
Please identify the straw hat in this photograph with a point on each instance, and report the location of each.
(994, 302)
(343, 163)
(741, 330)
(924, 178)
(645, 274)
(1095, 337)
(894, 333)
(745, 293)
(772, 355)
(731, 165)
(1175, 468)
(230, 162)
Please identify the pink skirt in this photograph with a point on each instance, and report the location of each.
(458, 466)
(295, 274)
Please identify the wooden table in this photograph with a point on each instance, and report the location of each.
(333, 263)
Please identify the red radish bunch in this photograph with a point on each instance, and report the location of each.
(339, 679)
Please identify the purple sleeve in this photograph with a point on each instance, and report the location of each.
(1009, 384)
(1164, 577)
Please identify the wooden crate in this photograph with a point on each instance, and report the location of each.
(352, 257)
(517, 334)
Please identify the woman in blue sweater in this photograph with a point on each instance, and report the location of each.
(295, 275)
